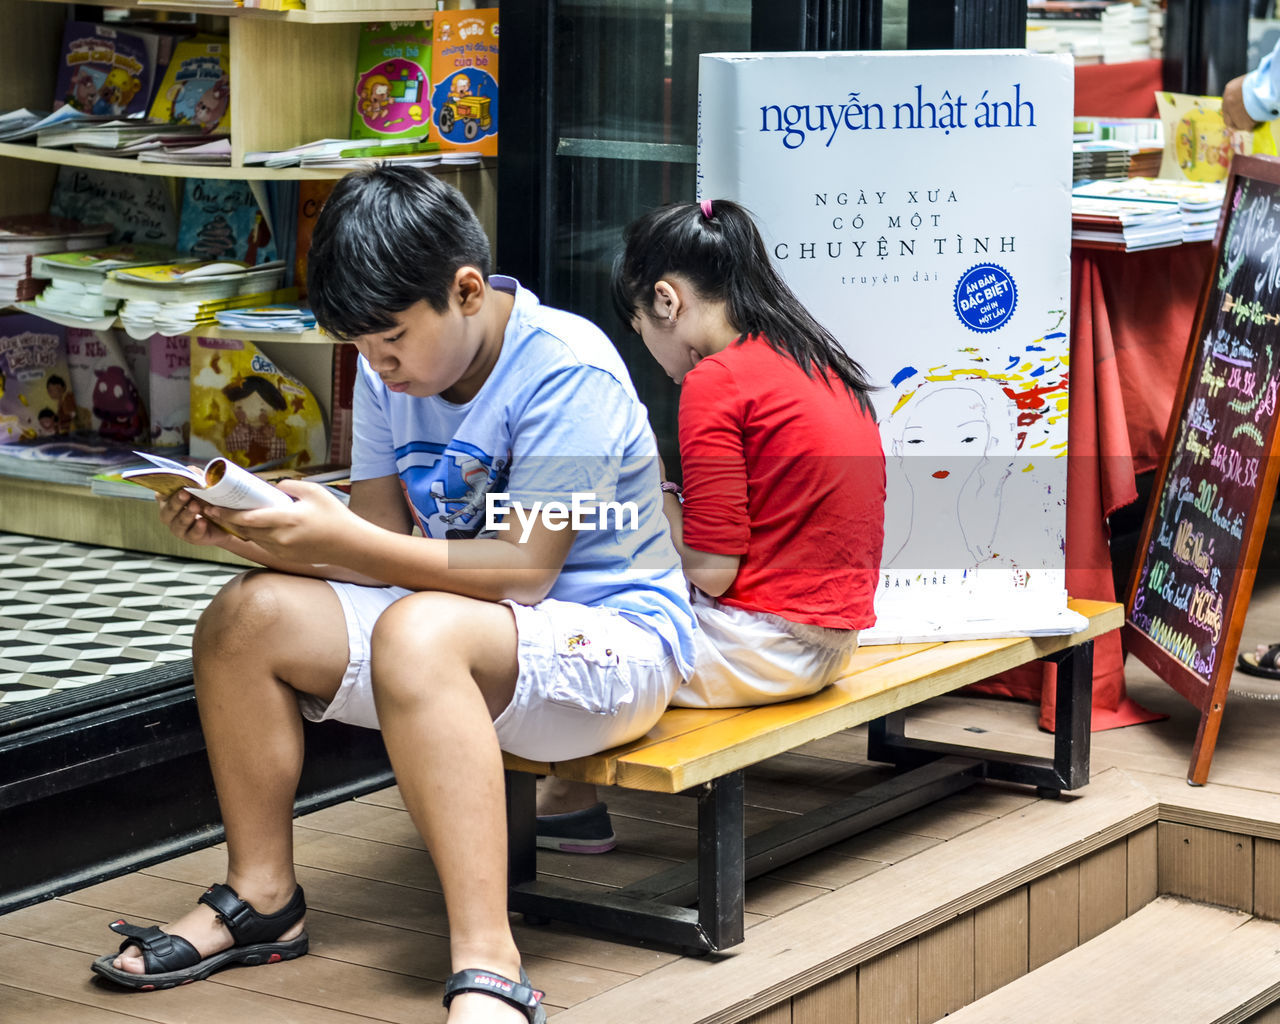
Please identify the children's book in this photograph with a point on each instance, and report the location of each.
(247, 409)
(88, 264)
(196, 88)
(139, 207)
(1197, 143)
(192, 282)
(393, 78)
(106, 70)
(345, 368)
(221, 219)
(36, 399)
(108, 399)
(169, 390)
(219, 482)
(464, 68)
(311, 196)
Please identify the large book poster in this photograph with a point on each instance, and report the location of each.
(919, 205)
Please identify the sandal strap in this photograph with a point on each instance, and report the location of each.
(161, 952)
(245, 924)
(520, 994)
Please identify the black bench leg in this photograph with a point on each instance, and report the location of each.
(721, 860)
(1073, 717)
(522, 847)
(1067, 769)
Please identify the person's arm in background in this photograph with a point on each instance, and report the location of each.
(1251, 99)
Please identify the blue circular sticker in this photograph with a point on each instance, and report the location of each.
(985, 297)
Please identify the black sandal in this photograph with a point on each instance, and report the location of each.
(520, 994)
(170, 960)
(1266, 664)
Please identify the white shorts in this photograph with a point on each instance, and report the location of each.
(589, 678)
(746, 658)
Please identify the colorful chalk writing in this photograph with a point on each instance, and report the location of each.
(1195, 555)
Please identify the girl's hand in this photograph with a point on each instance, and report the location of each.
(186, 517)
(315, 529)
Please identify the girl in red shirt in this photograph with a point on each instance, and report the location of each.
(780, 523)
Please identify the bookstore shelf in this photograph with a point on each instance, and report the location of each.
(73, 512)
(318, 11)
(291, 73)
(20, 151)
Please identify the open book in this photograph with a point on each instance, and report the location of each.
(221, 482)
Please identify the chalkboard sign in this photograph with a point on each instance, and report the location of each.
(1213, 494)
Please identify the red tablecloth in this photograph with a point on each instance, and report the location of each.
(1118, 90)
(1131, 320)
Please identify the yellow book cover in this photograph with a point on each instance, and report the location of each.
(1198, 146)
(464, 77)
(196, 88)
(246, 408)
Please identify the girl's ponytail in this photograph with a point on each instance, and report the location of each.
(715, 245)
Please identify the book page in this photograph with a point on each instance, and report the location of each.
(229, 486)
(167, 477)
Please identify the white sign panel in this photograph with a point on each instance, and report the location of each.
(919, 204)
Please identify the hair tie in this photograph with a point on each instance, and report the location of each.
(706, 208)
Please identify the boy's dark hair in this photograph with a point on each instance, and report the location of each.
(54, 379)
(389, 237)
(724, 258)
(255, 385)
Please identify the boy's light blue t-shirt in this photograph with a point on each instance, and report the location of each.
(557, 417)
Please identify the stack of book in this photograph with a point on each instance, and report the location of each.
(74, 295)
(1127, 226)
(177, 298)
(131, 91)
(1197, 203)
(1091, 161)
(285, 317)
(122, 138)
(1093, 31)
(28, 235)
(1117, 147)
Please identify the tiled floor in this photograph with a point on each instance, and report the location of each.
(72, 615)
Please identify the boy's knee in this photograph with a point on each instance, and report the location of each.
(418, 633)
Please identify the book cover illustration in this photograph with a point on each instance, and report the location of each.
(312, 194)
(220, 219)
(1198, 145)
(943, 267)
(105, 70)
(169, 390)
(246, 408)
(108, 399)
(196, 88)
(36, 399)
(139, 207)
(393, 79)
(464, 65)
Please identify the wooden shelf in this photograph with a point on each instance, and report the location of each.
(70, 158)
(318, 13)
(73, 512)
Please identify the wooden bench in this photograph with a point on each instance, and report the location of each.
(704, 754)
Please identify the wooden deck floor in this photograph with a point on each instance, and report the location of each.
(377, 921)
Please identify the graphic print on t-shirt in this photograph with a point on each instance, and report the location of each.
(446, 485)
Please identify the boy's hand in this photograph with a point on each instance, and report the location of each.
(312, 530)
(186, 517)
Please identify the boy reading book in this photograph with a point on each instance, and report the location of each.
(543, 611)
